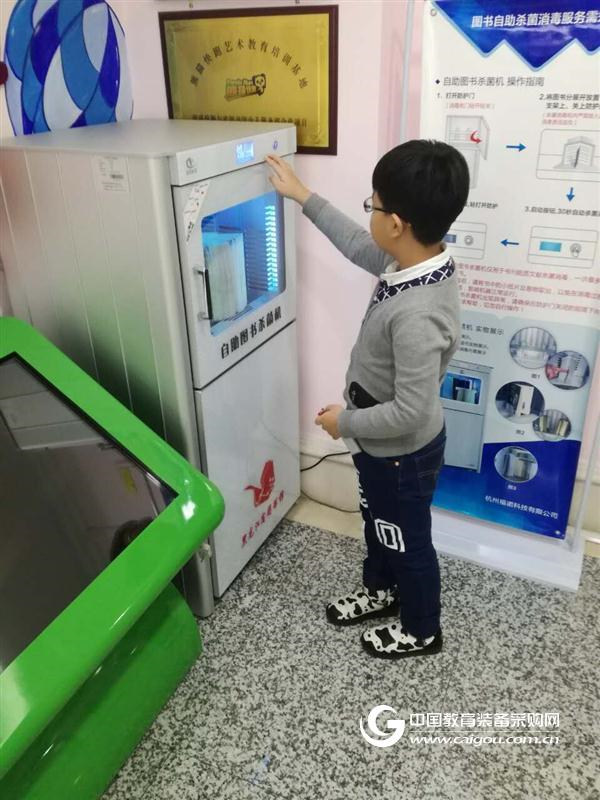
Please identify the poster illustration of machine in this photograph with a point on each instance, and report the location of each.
(515, 87)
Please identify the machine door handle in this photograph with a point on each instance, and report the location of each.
(207, 311)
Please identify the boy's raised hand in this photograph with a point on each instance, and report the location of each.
(285, 181)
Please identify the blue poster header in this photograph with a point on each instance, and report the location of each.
(537, 30)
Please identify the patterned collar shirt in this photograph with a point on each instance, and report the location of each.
(393, 280)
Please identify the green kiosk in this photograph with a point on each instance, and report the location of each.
(98, 516)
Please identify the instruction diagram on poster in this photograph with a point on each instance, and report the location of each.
(515, 87)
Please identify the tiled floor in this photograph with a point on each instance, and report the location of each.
(272, 707)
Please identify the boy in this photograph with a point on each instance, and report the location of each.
(393, 421)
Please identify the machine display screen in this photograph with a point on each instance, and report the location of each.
(552, 247)
(450, 238)
(71, 500)
(463, 388)
(244, 152)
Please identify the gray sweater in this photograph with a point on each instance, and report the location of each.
(402, 351)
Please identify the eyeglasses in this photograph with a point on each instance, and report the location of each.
(368, 207)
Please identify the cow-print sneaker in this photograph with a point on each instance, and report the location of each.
(360, 605)
(394, 641)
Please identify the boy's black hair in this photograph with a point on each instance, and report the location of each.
(425, 183)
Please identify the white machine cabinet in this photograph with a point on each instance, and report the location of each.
(157, 255)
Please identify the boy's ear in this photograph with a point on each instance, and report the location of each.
(399, 227)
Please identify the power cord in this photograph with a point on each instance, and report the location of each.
(328, 505)
(329, 455)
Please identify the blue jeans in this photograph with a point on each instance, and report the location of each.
(395, 502)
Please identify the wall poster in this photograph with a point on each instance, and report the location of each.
(514, 85)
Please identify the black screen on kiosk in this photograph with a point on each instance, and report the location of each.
(71, 500)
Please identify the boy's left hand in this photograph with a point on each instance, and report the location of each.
(327, 418)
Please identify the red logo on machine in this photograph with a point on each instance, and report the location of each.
(261, 494)
(267, 482)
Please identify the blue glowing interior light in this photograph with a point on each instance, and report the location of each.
(271, 248)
